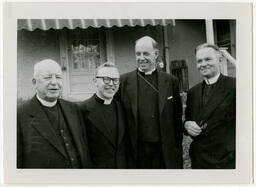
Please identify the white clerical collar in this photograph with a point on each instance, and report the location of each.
(148, 72)
(46, 103)
(212, 80)
(106, 101)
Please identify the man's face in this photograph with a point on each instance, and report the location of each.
(107, 90)
(146, 55)
(48, 82)
(208, 62)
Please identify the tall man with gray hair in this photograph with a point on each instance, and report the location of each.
(153, 111)
(50, 130)
(211, 113)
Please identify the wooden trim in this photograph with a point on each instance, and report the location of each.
(64, 62)
(102, 45)
(232, 25)
(110, 52)
(209, 31)
(166, 48)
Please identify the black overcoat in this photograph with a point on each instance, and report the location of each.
(170, 117)
(215, 146)
(104, 152)
(37, 142)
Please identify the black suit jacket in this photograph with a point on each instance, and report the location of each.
(37, 142)
(104, 152)
(170, 117)
(215, 146)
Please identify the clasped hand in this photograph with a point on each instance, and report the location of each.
(192, 128)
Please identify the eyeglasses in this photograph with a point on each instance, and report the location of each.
(107, 80)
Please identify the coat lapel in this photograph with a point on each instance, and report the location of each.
(219, 93)
(163, 88)
(99, 123)
(120, 123)
(198, 101)
(132, 91)
(42, 124)
(73, 122)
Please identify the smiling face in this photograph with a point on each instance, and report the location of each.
(146, 54)
(208, 62)
(48, 80)
(106, 91)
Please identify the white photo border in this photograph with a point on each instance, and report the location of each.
(241, 12)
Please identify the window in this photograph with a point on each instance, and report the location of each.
(86, 51)
(180, 70)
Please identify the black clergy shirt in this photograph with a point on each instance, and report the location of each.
(148, 107)
(108, 111)
(63, 134)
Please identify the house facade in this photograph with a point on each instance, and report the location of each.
(80, 46)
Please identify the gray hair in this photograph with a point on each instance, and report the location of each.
(208, 45)
(154, 43)
(43, 63)
(106, 65)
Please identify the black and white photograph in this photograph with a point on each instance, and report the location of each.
(142, 128)
(103, 94)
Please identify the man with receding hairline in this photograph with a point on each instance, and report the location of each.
(153, 112)
(211, 113)
(50, 131)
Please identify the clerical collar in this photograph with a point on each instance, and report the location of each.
(212, 80)
(103, 101)
(148, 72)
(46, 103)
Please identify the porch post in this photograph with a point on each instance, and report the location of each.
(166, 49)
(209, 31)
(110, 45)
(64, 62)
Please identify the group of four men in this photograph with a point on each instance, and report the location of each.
(132, 121)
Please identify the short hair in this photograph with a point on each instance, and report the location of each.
(105, 65)
(208, 45)
(154, 43)
(45, 62)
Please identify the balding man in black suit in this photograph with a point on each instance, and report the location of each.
(153, 112)
(211, 113)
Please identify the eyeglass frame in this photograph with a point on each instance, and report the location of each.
(109, 80)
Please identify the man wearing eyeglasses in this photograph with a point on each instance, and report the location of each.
(153, 112)
(104, 121)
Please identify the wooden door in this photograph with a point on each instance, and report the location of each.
(85, 52)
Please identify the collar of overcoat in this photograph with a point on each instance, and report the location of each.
(42, 124)
(99, 123)
(219, 93)
(164, 88)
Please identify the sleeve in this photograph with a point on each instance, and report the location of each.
(177, 113)
(117, 96)
(82, 115)
(19, 144)
(188, 116)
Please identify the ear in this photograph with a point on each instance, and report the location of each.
(157, 53)
(94, 80)
(33, 81)
(221, 59)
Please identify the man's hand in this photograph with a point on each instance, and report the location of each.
(192, 128)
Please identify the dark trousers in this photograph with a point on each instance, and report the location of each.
(150, 155)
